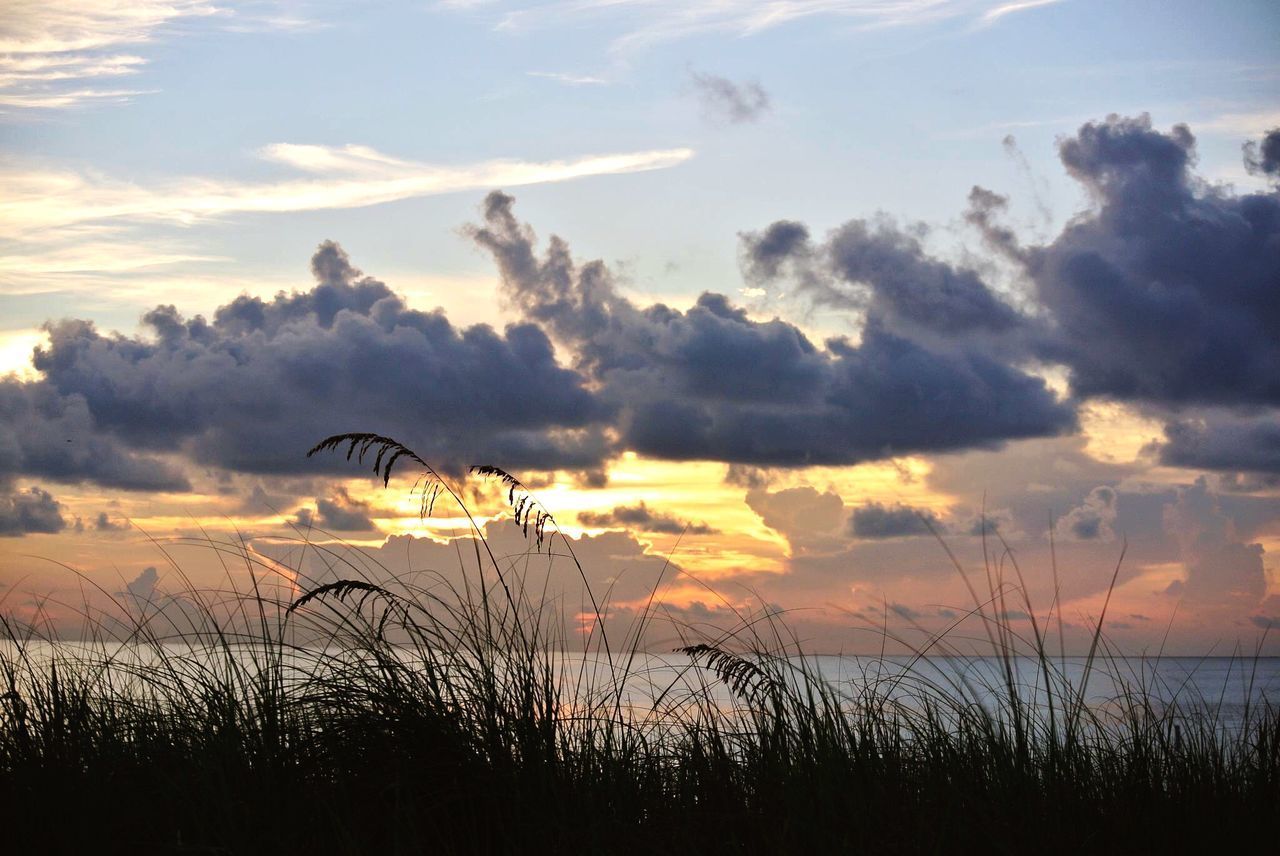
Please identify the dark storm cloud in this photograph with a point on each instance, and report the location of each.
(1247, 482)
(51, 434)
(24, 512)
(1263, 158)
(764, 254)
(723, 100)
(339, 513)
(1222, 441)
(104, 523)
(644, 519)
(257, 384)
(258, 499)
(350, 517)
(909, 289)
(1169, 292)
(876, 267)
(255, 387)
(874, 520)
(984, 212)
(710, 383)
(1165, 294)
(982, 526)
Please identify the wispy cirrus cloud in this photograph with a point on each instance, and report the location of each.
(647, 22)
(992, 15)
(53, 52)
(51, 27)
(33, 201)
(98, 256)
(569, 79)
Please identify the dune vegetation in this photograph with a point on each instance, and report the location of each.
(365, 713)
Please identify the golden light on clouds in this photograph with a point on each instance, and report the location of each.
(1117, 433)
(15, 352)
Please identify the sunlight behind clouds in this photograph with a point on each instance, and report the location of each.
(15, 352)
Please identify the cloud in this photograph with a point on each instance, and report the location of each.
(613, 562)
(569, 79)
(1161, 295)
(874, 520)
(53, 53)
(745, 475)
(671, 20)
(50, 49)
(1263, 158)
(985, 209)
(255, 386)
(1165, 293)
(51, 434)
(944, 362)
(1218, 440)
(37, 200)
(797, 512)
(143, 586)
(339, 513)
(710, 383)
(1092, 520)
(985, 524)
(67, 98)
(910, 290)
(876, 270)
(24, 512)
(1029, 486)
(725, 101)
(103, 523)
(1247, 482)
(904, 611)
(1005, 9)
(766, 255)
(640, 517)
(258, 500)
(1219, 566)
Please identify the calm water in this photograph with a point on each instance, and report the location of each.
(1222, 688)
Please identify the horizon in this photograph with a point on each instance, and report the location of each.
(769, 305)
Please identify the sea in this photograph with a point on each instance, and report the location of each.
(1227, 693)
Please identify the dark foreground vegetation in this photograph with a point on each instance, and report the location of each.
(372, 715)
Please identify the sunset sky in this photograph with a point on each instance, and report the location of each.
(763, 300)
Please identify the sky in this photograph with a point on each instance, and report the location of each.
(792, 305)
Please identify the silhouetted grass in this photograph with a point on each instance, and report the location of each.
(376, 714)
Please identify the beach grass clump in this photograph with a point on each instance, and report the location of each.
(367, 712)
